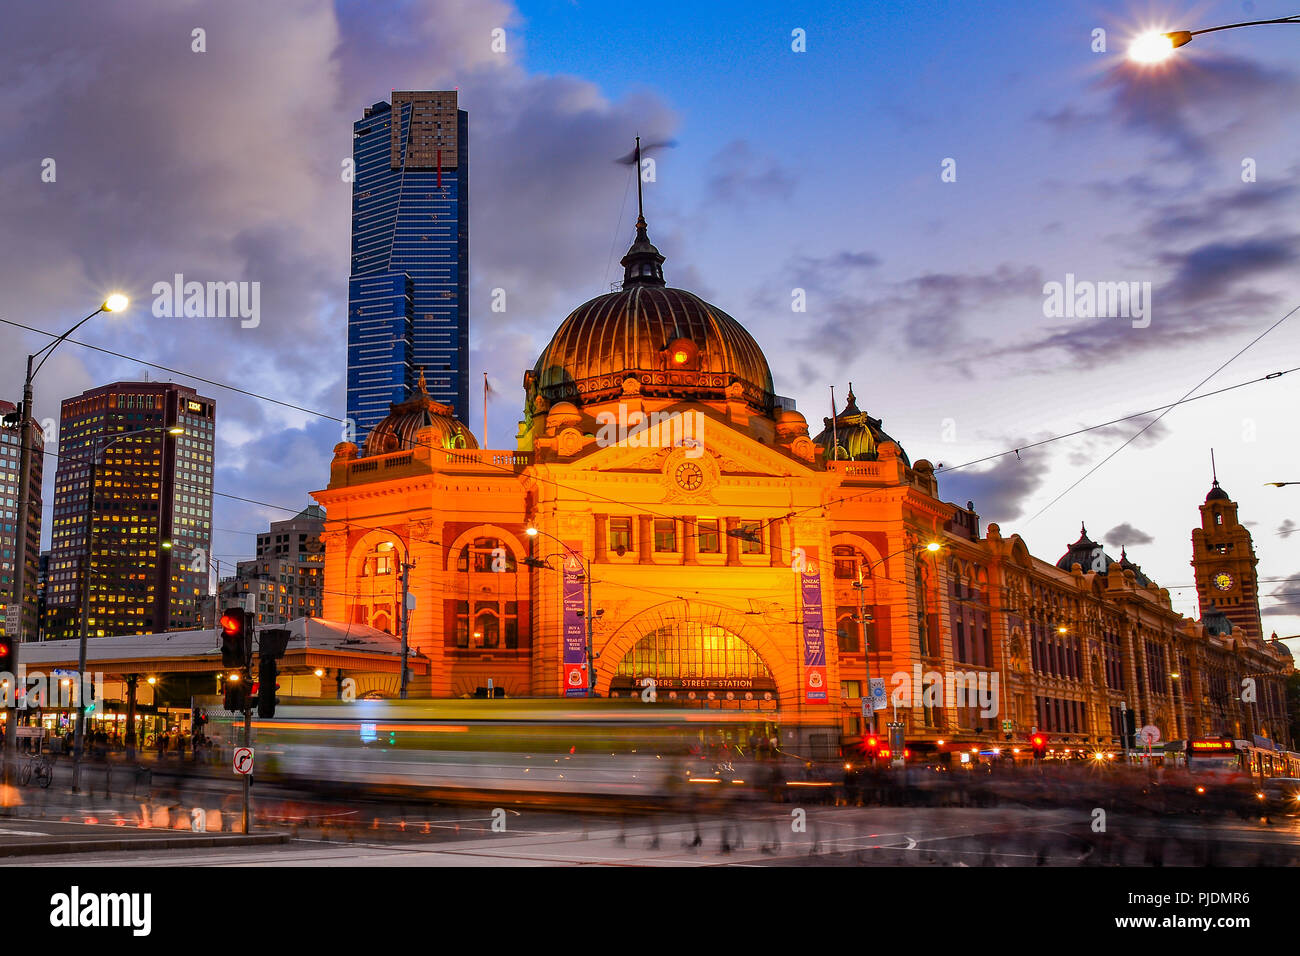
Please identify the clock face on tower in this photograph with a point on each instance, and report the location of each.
(689, 476)
(1222, 580)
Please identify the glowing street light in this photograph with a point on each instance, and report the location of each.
(1155, 47)
(116, 302)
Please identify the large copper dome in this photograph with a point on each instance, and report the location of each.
(673, 342)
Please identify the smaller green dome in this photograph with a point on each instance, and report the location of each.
(857, 434)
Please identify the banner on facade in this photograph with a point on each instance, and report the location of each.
(879, 699)
(575, 628)
(814, 640)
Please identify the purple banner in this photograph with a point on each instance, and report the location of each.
(575, 628)
(814, 641)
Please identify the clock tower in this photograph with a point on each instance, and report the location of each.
(1223, 557)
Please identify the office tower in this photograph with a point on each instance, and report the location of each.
(408, 295)
(146, 448)
(10, 551)
(287, 579)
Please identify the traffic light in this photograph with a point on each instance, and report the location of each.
(6, 651)
(267, 672)
(1039, 744)
(236, 696)
(234, 638)
(272, 643)
(871, 745)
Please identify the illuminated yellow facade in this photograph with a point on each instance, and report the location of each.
(710, 537)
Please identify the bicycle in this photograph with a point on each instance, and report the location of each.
(40, 767)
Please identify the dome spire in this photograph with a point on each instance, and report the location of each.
(643, 265)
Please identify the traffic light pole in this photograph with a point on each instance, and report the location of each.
(249, 618)
(405, 680)
(19, 595)
(870, 716)
(248, 777)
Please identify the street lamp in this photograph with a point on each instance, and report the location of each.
(591, 614)
(932, 547)
(114, 303)
(1281, 484)
(405, 680)
(1157, 47)
(96, 453)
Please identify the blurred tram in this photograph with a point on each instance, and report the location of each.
(526, 747)
(1239, 761)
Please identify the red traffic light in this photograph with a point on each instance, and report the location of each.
(235, 639)
(1038, 740)
(4, 650)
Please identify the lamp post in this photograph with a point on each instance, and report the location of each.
(1157, 47)
(96, 453)
(404, 681)
(590, 613)
(859, 585)
(114, 303)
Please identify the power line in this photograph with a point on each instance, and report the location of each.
(1132, 438)
(1114, 421)
(762, 522)
(190, 375)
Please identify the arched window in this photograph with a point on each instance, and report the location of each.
(486, 555)
(848, 629)
(487, 607)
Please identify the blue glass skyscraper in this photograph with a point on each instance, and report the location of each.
(408, 294)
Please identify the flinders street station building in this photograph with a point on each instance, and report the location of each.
(668, 528)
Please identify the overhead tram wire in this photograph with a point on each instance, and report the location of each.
(649, 511)
(1132, 438)
(189, 375)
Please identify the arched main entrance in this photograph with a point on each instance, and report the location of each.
(695, 662)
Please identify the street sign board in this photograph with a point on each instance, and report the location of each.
(243, 760)
(12, 611)
(879, 700)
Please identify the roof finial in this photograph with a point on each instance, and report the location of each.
(424, 388)
(1214, 471)
(1083, 530)
(640, 204)
(643, 265)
